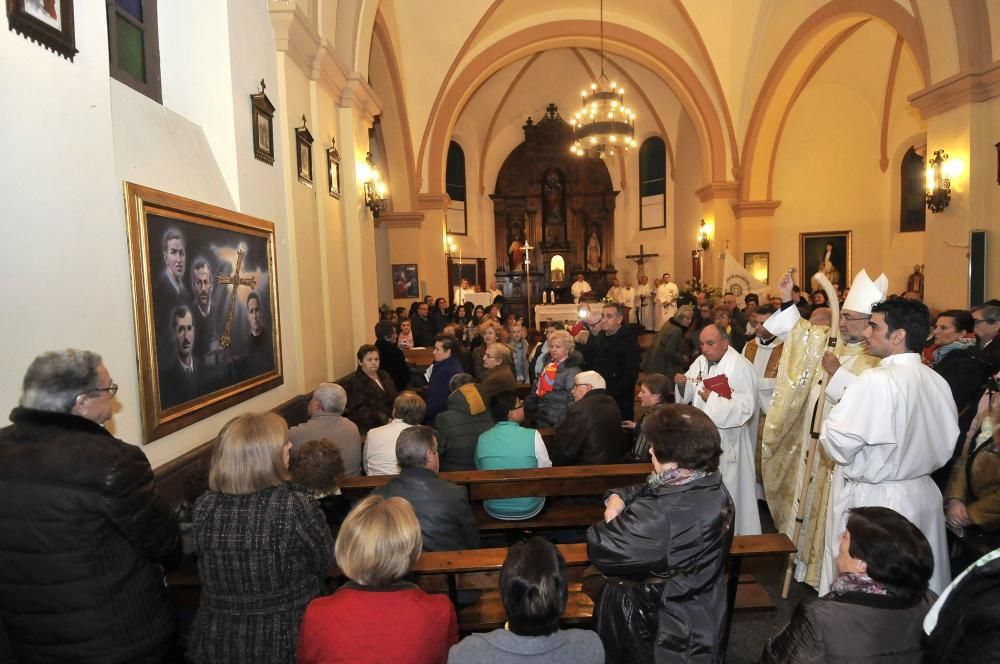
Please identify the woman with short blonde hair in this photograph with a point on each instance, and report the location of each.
(250, 454)
(489, 333)
(252, 605)
(380, 542)
(375, 616)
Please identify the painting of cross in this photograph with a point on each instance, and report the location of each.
(235, 280)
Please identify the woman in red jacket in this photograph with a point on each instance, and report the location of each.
(376, 617)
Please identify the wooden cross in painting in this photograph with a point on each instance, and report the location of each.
(640, 259)
(235, 280)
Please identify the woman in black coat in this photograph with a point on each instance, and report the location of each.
(875, 609)
(665, 543)
(370, 392)
(263, 549)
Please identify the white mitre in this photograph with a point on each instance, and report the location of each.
(865, 293)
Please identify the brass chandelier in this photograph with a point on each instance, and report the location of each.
(604, 123)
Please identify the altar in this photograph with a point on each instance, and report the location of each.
(480, 299)
(547, 313)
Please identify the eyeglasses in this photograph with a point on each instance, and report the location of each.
(851, 319)
(112, 388)
(977, 321)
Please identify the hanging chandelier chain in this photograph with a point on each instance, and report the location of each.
(602, 42)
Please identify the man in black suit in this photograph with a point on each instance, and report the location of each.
(179, 378)
(423, 329)
(392, 359)
(208, 310)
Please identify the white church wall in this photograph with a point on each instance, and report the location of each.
(195, 145)
(827, 178)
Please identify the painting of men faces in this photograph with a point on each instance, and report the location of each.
(207, 323)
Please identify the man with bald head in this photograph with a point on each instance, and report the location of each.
(731, 407)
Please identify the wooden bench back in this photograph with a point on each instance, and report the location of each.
(488, 484)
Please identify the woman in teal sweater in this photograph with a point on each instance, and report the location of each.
(509, 445)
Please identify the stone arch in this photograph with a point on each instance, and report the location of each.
(813, 42)
(620, 40)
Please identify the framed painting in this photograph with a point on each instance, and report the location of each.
(206, 307)
(46, 22)
(827, 252)
(405, 281)
(304, 153)
(333, 169)
(262, 119)
(757, 264)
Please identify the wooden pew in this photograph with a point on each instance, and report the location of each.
(548, 482)
(478, 569)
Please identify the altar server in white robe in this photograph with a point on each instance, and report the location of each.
(733, 417)
(666, 300)
(894, 426)
(644, 301)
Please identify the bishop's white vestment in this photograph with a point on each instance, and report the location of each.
(894, 426)
(733, 418)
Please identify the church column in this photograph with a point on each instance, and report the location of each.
(725, 220)
(432, 244)
(355, 114)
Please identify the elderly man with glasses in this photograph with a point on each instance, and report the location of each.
(83, 532)
(591, 434)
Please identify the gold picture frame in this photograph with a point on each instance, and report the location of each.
(205, 300)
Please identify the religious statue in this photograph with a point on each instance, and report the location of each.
(593, 250)
(915, 282)
(515, 250)
(552, 199)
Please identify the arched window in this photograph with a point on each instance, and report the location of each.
(454, 185)
(912, 180)
(653, 183)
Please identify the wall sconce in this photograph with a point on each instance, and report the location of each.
(375, 189)
(704, 236)
(938, 182)
(450, 248)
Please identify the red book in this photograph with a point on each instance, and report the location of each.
(720, 385)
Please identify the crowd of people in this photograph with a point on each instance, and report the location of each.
(878, 451)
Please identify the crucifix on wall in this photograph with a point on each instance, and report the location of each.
(640, 259)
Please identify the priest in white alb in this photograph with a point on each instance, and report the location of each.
(894, 426)
(666, 300)
(722, 384)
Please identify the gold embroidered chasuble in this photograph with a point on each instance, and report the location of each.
(786, 436)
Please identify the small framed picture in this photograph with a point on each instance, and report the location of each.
(828, 252)
(262, 119)
(756, 263)
(333, 168)
(405, 281)
(46, 22)
(303, 153)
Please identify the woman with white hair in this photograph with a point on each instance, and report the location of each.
(552, 392)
